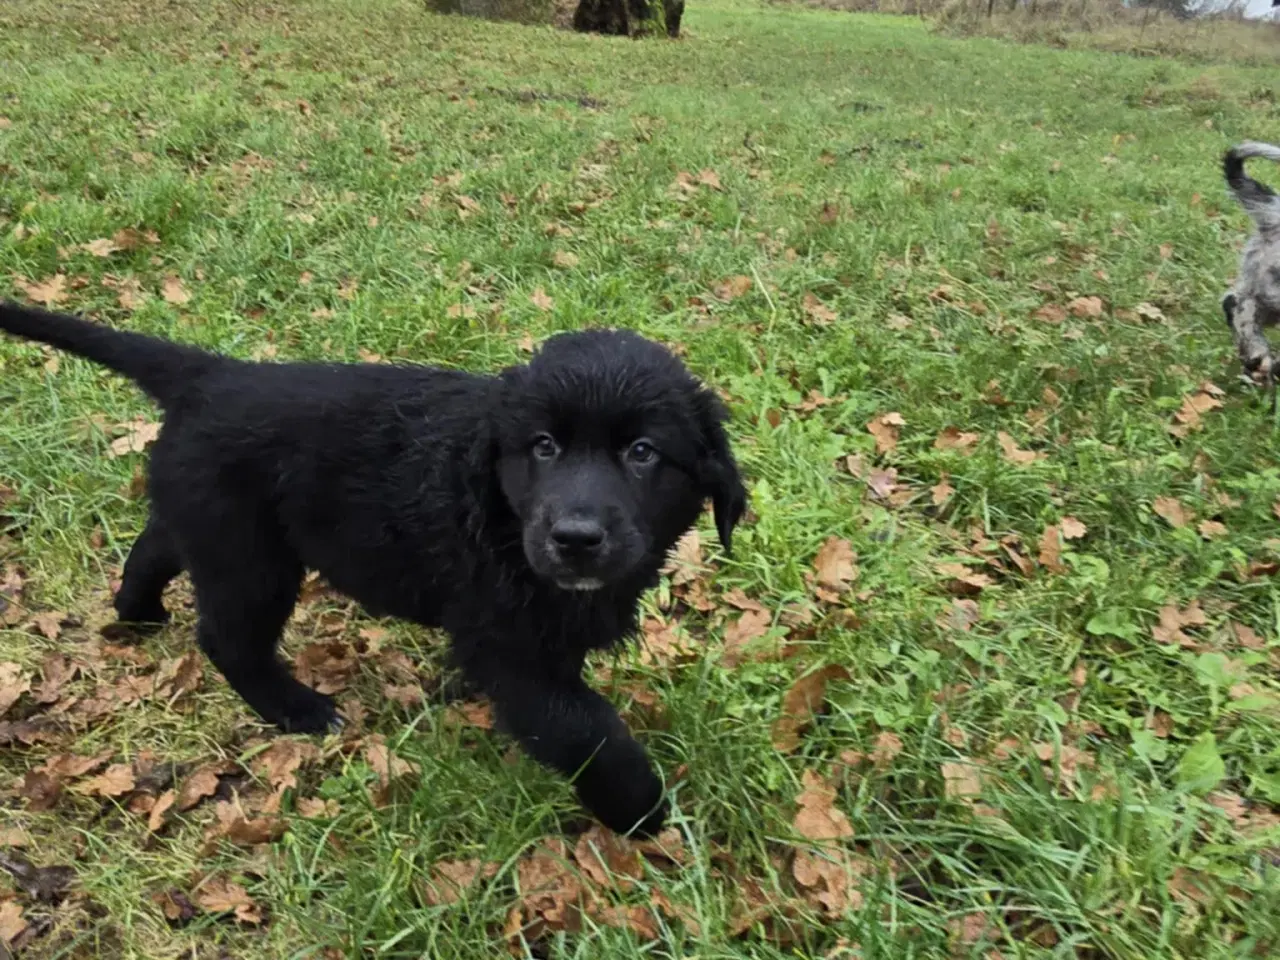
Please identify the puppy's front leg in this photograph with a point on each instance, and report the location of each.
(566, 725)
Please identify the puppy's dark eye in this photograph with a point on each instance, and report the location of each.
(545, 447)
(642, 452)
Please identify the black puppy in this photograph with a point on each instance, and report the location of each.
(523, 513)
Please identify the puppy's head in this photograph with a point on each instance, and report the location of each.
(608, 447)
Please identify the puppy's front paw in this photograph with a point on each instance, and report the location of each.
(305, 711)
(622, 791)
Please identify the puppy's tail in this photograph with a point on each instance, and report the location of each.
(1259, 200)
(161, 368)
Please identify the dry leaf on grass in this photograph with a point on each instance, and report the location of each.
(733, 287)
(962, 780)
(817, 817)
(1173, 620)
(138, 435)
(828, 879)
(608, 860)
(202, 783)
(450, 879)
(115, 781)
(1171, 511)
(962, 580)
(14, 682)
(1194, 407)
(48, 293)
(326, 667)
(218, 894)
(1013, 453)
(1051, 549)
(685, 563)
(173, 291)
(156, 815)
(1072, 529)
(470, 713)
(801, 702)
(1086, 307)
(235, 826)
(741, 634)
(885, 429)
(835, 564)
(953, 438)
(817, 311)
(12, 925)
(540, 299)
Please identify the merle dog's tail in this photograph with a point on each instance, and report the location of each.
(162, 368)
(1259, 200)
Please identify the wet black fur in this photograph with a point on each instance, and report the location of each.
(420, 493)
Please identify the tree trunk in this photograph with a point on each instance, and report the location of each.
(629, 18)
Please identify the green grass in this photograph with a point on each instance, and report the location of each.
(268, 145)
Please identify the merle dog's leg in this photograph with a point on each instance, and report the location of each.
(151, 564)
(246, 585)
(563, 723)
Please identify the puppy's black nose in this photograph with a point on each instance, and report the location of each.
(577, 534)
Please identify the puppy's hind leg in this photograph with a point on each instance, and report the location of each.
(152, 563)
(245, 591)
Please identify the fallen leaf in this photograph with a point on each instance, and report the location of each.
(1013, 454)
(562, 258)
(1072, 529)
(741, 633)
(327, 666)
(550, 894)
(883, 483)
(709, 178)
(178, 676)
(941, 492)
(11, 923)
(173, 291)
(470, 713)
(835, 564)
(102, 247)
(962, 780)
(800, 703)
(972, 928)
(817, 817)
(1212, 529)
(685, 564)
(235, 826)
(49, 293)
(827, 879)
(14, 682)
(1246, 636)
(280, 762)
(130, 294)
(218, 894)
(175, 905)
(1050, 313)
(609, 861)
(1086, 307)
(450, 879)
(952, 438)
(961, 615)
(115, 781)
(155, 816)
(1171, 511)
(1173, 620)
(139, 434)
(733, 287)
(202, 783)
(886, 747)
(1194, 406)
(540, 299)
(817, 311)
(963, 580)
(885, 430)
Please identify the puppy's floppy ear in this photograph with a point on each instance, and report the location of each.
(717, 470)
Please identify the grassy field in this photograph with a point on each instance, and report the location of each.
(1014, 535)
